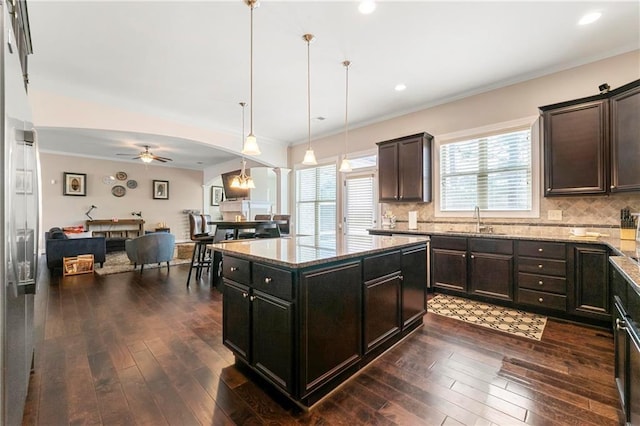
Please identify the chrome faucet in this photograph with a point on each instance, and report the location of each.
(476, 215)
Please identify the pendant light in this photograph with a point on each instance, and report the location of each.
(250, 146)
(309, 156)
(345, 166)
(242, 180)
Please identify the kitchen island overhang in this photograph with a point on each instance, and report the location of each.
(307, 316)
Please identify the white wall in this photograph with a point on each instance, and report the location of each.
(496, 106)
(185, 192)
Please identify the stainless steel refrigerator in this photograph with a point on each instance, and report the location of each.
(19, 166)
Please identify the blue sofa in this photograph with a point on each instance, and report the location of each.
(58, 246)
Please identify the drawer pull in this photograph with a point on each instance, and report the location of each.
(400, 277)
(473, 257)
(540, 300)
(540, 250)
(234, 269)
(252, 298)
(464, 256)
(540, 282)
(539, 266)
(267, 280)
(245, 295)
(620, 325)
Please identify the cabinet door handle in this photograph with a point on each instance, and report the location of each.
(473, 257)
(267, 280)
(400, 277)
(464, 256)
(252, 298)
(620, 325)
(540, 266)
(548, 189)
(245, 295)
(540, 300)
(540, 282)
(234, 268)
(540, 250)
(612, 187)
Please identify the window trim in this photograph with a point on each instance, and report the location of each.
(532, 123)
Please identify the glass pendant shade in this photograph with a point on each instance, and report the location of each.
(345, 166)
(251, 146)
(146, 157)
(309, 158)
(235, 183)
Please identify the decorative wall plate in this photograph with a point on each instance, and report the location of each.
(108, 180)
(121, 176)
(132, 184)
(119, 191)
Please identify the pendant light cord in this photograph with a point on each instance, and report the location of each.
(346, 108)
(309, 91)
(251, 75)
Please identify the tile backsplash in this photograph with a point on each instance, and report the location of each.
(588, 211)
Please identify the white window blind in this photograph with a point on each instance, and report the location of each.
(359, 214)
(316, 204)
(492, 172)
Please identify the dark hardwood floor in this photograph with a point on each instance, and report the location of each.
(128, 349)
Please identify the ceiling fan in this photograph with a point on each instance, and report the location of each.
(148, 157)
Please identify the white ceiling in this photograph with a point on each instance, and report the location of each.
(189, 61)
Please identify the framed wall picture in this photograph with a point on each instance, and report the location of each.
(75, 184)
(160, 189)
(217, 195)
(24, 181)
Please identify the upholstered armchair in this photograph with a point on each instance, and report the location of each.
(151, 248)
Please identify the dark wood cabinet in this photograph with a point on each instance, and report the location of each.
(591, 144)
(491, 268)
(258, 326)
(625, 138)
(626, 311)
(576, 141)
(449, 263)
(381, 310)
(414, 285)
(331, 315)
(542, 275)
(404, 169)
(590, 294)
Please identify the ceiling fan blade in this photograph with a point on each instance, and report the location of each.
(164, 159)
(160, 160)
(135, 158)
(123, 154)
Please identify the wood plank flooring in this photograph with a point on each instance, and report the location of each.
(127, 349)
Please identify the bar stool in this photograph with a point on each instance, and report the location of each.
(284, 227)
(200, 259)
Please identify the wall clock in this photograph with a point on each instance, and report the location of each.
(119, 191)
(121, 176)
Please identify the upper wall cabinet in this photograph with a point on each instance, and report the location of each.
(591, 145)
(404, 169)
(625, 138)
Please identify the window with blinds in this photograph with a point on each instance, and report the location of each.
(316, 204)
(492, 172)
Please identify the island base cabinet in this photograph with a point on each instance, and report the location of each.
(236, 315)
(381, 310)
(258, 329)
(331, 324)
(272, 349)
(414, 285)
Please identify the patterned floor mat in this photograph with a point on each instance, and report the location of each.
(496, 317)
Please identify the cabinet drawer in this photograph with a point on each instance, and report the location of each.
(542, 266)
(542, 249)
(381, 265)
(450, 243)
(542, 283)
(274, 281)
(542, 299)
(490, 245)
(236, 269)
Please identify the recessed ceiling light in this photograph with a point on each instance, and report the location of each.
(367, 6)
(589, 18)
(400, 87)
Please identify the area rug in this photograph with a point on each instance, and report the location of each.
(495, 317)
(118, 262)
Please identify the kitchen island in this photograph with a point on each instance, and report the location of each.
(306, 315)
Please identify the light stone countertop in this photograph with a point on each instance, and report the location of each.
(301, 252)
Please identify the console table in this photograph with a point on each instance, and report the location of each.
(122, 228)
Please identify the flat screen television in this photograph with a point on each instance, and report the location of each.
(233, 193)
